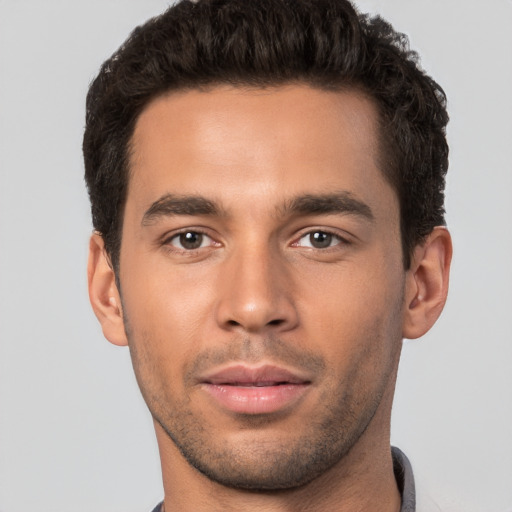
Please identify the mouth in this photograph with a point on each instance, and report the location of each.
(255, 390)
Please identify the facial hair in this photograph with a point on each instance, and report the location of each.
(343, 414)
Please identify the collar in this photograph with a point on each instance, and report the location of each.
(404, 479)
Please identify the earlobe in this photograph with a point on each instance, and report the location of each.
(103, 292)
(426, 285)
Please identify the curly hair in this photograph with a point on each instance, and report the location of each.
(325, 44)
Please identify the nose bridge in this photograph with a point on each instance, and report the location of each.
(254, 293)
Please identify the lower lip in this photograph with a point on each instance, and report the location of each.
(255, 400)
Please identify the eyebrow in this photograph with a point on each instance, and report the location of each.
(336, 203)
(170, 205)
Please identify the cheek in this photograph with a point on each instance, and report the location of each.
(168, 321)
(168, 302)
(361, 344)
(163, 328)
(355, 311)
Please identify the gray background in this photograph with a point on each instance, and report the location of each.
(74, 433)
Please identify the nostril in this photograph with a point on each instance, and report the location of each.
(271, 323)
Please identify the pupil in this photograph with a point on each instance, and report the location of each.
(191, 240)
(320, 240)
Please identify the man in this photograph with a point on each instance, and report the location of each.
(266, 181)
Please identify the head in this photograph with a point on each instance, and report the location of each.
(267, 183)
(325, 44)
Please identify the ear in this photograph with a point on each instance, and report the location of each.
(426, 285)
(103, 293)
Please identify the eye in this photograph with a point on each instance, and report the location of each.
(319, 240)
(190, 240)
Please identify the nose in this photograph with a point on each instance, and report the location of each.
(255, 293)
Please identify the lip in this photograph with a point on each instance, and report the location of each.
(255, 390)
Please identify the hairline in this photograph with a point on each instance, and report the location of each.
(384, 146)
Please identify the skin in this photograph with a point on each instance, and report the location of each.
(258, 291)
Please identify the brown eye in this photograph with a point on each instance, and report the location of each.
(320, 239)
(190, 240)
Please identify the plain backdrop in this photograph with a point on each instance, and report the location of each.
(75, 435)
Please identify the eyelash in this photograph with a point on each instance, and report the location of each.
(189, 252)
(341, 240)
(167, 241)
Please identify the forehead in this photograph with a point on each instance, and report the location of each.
(262, 144)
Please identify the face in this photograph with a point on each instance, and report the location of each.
(261, 279)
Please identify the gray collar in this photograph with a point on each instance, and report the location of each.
(405, 480)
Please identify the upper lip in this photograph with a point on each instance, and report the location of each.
(241, 374)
